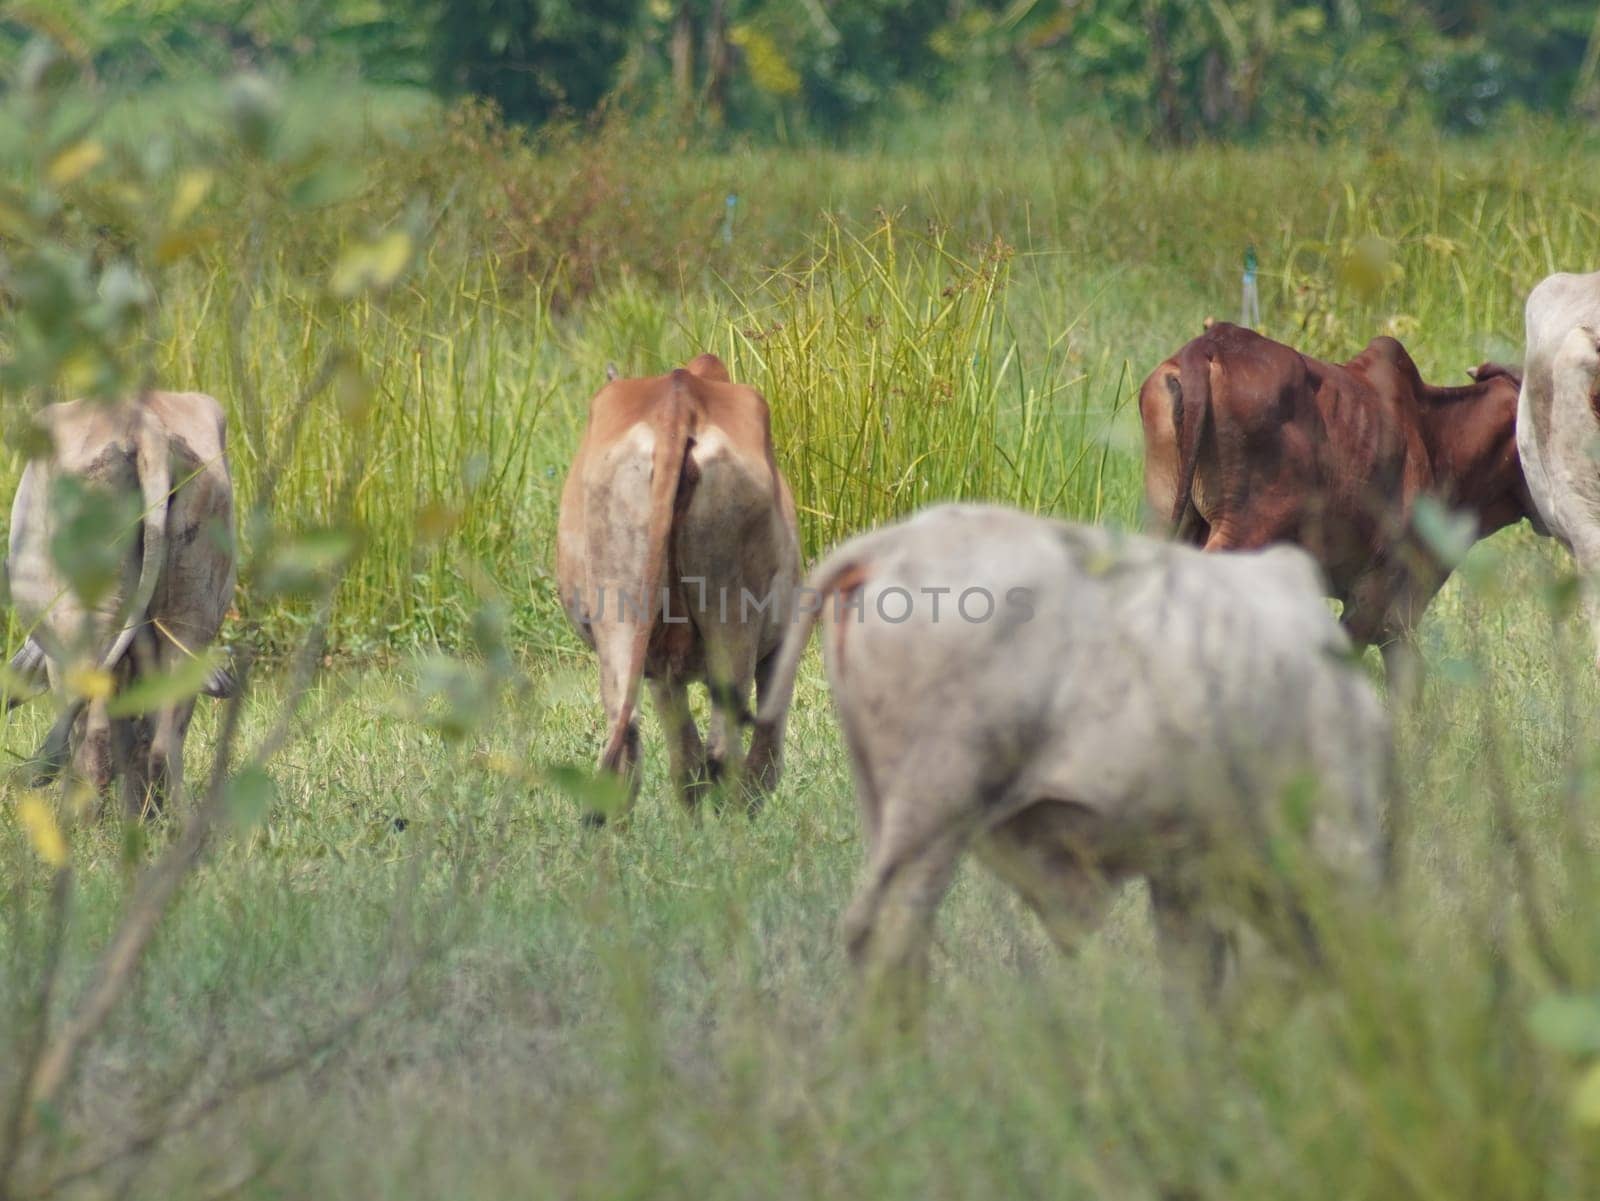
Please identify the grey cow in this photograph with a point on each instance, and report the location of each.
(163, 455)
(1558, 420)
(1081, 707)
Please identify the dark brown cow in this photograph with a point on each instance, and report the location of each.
(1249, 442)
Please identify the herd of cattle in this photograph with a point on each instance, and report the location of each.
(1078, 706)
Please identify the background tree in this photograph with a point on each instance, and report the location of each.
(536, 59)
(1184, 70)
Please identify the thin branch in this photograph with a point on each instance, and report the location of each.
(379, 995)
(17, 1111)
(152, 896)
(233, 1090)
(257, 1170)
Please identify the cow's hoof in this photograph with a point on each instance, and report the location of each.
(593, 820)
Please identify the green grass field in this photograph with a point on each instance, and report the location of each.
(662, 1009)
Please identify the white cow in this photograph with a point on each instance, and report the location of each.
(1558, 430)
(1080, 707)
(170, 576)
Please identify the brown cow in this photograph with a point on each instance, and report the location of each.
(1249, 442)
(677, 560)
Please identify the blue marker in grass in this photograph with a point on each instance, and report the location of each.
(1250, 302)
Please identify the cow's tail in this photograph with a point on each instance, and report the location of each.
(1191, 413)
(825, 579)
(673, 422)
(153, 459)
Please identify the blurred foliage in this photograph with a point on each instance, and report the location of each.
(535, 59)
(1180, 69)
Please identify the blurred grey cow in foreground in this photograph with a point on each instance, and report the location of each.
(122, 562)
(1080, 707)
(1558, 420)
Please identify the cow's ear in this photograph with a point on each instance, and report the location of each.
(611, 373)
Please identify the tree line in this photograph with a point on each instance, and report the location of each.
(1181, 70)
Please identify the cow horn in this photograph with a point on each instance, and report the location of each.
(611, 372)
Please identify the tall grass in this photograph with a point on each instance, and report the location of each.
(452, 431)
(898, 381)
(963, 325)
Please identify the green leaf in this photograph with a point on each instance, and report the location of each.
(453, 698)
(371, 265)
(595, 792)
(168, 688)
(249, 797)
(1561, 595)
(1300, 804)
(92, 536)
(15, 684)
(254, 105)
(1567, 1023)
(123, 294)
(135, 841)
(327, 185)
(301, 564)
(73, 163)
(43, 67)
(1448, 534)
(189, 193)
(1586, 1098)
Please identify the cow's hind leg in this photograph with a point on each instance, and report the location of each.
(1046, 854)
(765, 763)
(95, 761)
(624, 768)
(1586, 552)
(620, 757)
(1194, 951)
(730, 675)
(925, 824)
(889, 927)
(686, 753)
(171, 729)
(131, 739)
